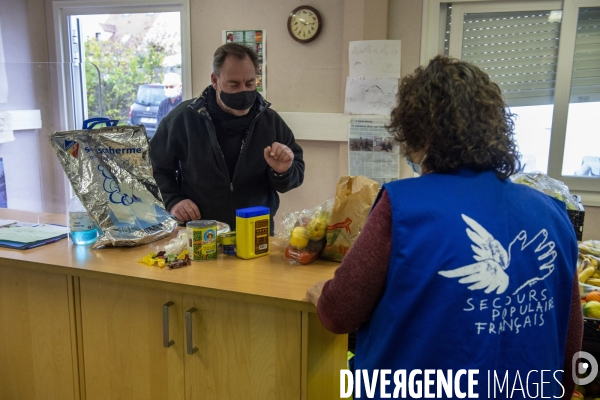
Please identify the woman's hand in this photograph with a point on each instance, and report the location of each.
(314, 292)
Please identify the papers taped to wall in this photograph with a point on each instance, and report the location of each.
(373, 151)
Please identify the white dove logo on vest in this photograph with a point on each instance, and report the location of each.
(492, 260)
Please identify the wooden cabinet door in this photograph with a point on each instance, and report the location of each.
(36, 353)
(244, 351)
(122, 330)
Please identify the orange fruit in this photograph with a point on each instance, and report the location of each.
(593, 295)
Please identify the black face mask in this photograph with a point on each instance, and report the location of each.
(240, 100)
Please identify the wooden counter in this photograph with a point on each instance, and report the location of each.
(103, 318)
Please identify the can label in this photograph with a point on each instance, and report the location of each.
(261, 236)
(202, 242)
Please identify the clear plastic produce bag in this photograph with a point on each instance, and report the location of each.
(303, 233)
(548, 185)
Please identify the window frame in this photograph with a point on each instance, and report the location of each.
(434, 13)
(62, 10)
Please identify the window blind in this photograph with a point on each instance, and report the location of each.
(519, 51)
(585, 82)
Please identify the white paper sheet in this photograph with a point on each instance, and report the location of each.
(370, 96)
(6, 130)
(24, 232)
(4, 222)
(374, 58)
(372, 150)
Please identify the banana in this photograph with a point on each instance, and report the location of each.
(592, 259)
(593, 281)
(586, 274)
(583, 265)
(589, 250)
(591, 243)
(579, 264)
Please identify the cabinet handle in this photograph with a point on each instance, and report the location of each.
(188, 331)
(166, 341)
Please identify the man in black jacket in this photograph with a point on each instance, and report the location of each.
(226, 149)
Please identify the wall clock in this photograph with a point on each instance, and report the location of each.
(304, 24)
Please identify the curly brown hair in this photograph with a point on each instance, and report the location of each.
(453, 110)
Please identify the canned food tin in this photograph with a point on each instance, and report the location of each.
(202, 240)
(227, 240)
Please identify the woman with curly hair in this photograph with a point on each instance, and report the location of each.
(459, 268)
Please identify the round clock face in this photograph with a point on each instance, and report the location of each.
(304, 24)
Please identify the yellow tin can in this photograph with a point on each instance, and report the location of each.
(252, 232)
(202, 240)
(227, 240)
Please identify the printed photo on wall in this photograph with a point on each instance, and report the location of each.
(254, 39)
(3, 201)
(385, 144)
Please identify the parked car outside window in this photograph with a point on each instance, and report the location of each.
(145, 108)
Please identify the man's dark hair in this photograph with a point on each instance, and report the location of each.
(453, 109)
(237, 50)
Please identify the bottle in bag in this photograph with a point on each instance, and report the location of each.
(83, 229)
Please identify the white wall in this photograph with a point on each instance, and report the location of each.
(20, 157)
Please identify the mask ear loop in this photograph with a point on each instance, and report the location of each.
(219, 94)
(421, 164)
(417, 168)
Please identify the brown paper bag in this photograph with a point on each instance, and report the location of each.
(354, 198)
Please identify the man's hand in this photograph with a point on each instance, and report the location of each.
(186, 210)
(279, 157)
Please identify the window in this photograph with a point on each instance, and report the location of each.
(132, 25)
(76, 101)
(545, 56)
(581, 155)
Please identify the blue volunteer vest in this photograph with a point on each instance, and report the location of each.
(480, 278)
